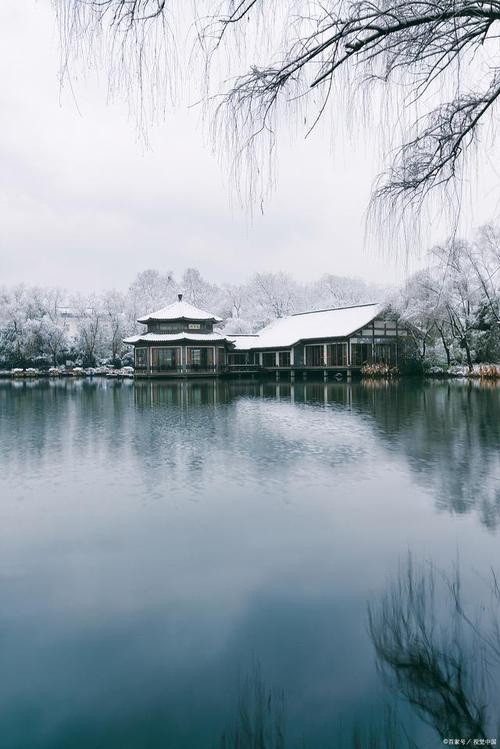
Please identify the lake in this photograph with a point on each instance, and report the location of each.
(261, 565)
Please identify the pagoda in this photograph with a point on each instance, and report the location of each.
(179, 340)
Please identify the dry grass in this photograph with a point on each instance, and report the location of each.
(379, 370)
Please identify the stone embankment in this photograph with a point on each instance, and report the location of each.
(75, 372)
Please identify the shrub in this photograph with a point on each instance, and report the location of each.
(379, 370)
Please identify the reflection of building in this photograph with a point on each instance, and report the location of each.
(181, 340)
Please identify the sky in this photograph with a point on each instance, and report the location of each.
(86, 205)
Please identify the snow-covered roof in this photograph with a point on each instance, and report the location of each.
(243, 341)
(172, 337)
(179, 310)
(317, 324)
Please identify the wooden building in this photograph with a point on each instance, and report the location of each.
(339, 340)
(180, 340)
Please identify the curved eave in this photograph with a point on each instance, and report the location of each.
(145, 320)
(151, 338)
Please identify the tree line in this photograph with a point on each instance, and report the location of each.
(451, 308)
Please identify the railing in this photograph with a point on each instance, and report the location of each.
(243, 368)
(200, 368)
(180, 369)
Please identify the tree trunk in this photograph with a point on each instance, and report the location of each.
(446, 348)
(467, 352)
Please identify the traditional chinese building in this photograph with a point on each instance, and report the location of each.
(338, 340)
(179, 340)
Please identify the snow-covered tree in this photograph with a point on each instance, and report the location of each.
(21, 314)
(460, 295)
(149, 291)
(454, 302)
(275, 295)
(90, 327)
(416, 304)
(114, 307)
(199, 292)
(53, 331)
(339, 291)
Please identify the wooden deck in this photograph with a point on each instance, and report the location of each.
(238, 371)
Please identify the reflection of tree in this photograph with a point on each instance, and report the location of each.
(449, 432)
(260, 722)
(442, 668)
(48, 417)
(385, 733)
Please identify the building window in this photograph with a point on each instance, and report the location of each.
(141, 358)
(385, 353)
(284, 358)
(337, 354)
(269, 359)
(200, 358)
(164, 358)
(361, 353)
(166, 327)
(236, 358)
(314, 356)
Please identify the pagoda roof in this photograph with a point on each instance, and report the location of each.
(174, 337)
(179, 310)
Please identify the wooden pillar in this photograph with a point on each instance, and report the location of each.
(325, 354)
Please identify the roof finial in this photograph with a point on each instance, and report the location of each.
(179, 296)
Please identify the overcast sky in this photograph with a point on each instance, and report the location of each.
(84, 205)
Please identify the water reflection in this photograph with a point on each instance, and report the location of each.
(441, 661)
(260, 720)
(447, 433)
(432, 653)
(157, 538)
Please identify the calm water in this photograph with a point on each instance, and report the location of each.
(177, 559)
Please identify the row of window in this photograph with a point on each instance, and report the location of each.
(336, 355)
(164, 358)
(314, 356)
(178, 327)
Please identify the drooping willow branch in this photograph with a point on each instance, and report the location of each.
(313, 50)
